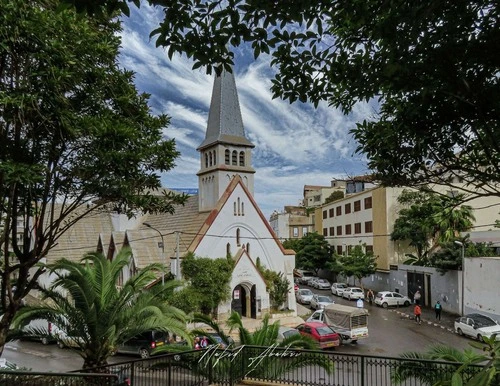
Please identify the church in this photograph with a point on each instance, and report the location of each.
(222, 220)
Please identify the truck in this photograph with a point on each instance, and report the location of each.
(351, 323)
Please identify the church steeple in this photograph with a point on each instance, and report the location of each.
(225, 151)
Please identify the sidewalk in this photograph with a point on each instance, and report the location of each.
(429, 317)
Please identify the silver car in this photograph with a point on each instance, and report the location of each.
(319, 302)
(304, 296)
(352, 293)
(322, 284)
(477, 326)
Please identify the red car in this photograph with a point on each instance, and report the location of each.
(296, 287)
(320, 332)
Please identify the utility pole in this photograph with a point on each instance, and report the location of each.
(162, 246)
(463, 274)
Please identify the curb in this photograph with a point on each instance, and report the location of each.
(408, 316)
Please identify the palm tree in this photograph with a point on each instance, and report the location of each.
(460, 369)
(96, 315)
(269, 367)
(451, 219)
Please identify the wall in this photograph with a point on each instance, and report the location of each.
(482, 286)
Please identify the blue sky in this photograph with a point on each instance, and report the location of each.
(295, 144)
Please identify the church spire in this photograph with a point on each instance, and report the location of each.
(225, 124)
(225, 151)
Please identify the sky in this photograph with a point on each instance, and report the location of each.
(295, 144)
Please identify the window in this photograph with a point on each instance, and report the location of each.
(368, 203)
(295, 232)
(331, 212)
(215, 158)
(238, 241)
(211, 159)
(357, 206)
(325, 214)
(304, 231)
(347, 208)
(339, 249)
(348, 229)
(369, 249)
(242, 158)
(332, 231)
(234, 158)
(226, 156)
(206, 160)
(339, 230)
(339, 211)
(325, 232)
(357, 228)
(248, 248)
(368, 227)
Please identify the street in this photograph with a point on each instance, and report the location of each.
(390, 335)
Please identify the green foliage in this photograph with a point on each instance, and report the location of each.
(313, 253)
(337, 195)
(277, 285)
(358, 263)
(440, 123)
(76, 137)
(95, 314)
(428, 219)
(208, 279)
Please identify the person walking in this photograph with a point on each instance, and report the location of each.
(370, 296)
(417, 311)
(438, 308)
(417, 297)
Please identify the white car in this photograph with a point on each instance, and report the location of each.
(352, 293)
(322, 284)
(477, 326)
(338, 288)
(304, 295)
(312, 281)
(388, 299)
(319, 302)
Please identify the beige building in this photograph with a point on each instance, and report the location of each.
(294, 222)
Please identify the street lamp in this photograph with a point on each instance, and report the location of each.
(162, 246)
(463, 270)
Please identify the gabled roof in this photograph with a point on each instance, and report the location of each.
(225, 124)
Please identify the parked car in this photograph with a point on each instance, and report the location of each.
(286, 332)
(144, 343)
(319, 302)
(296, 287)
(389, 299)
(306, 276)
(215, 338)
(322, 284)
(353, 293)
(7, 365)
(321, 333)
(312, 281)
(477, 326)
(304, 295)
(39, 329)
(338, 288)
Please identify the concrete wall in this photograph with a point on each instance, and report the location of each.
(482, 286)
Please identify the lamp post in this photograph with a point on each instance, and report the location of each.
(463, 271)
(162, 245)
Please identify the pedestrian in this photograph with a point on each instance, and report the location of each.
(204, 342)
(359, 303)
(438, 308)
(418, 313)
(370, 296)
(417, 297)
(197, 345)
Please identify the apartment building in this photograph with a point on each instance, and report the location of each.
(293, 222)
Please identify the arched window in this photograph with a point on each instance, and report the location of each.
(211, 160)
(227, 154)
(248, 248)
(242, 208)
(239, 213)
(235, 208)
(242, 158)
(228, 249)
(234, 159)
(215, 157)
(238, 241)
(206, 160)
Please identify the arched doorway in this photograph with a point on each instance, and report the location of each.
(243, 300)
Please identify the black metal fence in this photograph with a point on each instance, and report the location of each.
(231, 367)
(286, 366)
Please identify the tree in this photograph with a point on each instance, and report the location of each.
(314, 253)
(337, 195)
(208, 279)
(427, 220)
(75, 137)
(358, 263)
(85, 303)
(270, 366)
(277, 285)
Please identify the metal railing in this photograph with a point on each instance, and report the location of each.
(29, 378)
